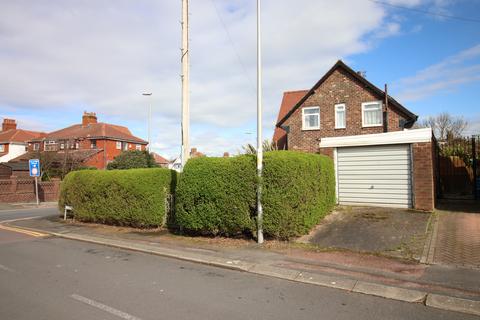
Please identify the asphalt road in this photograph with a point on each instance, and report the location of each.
(53, 278)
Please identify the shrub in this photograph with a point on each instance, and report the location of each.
(298, 191)
(216, 196)
(133, 159)
(135, 197)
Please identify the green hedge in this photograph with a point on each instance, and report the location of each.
(298, 191)
(218, 195)
(135, 197)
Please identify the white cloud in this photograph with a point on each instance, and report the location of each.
(445, 76)
(67, 56)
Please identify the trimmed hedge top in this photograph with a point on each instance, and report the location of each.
(135, 197)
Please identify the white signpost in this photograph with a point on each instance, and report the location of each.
(34, 167)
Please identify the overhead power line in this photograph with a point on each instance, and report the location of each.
(431, 13)
(240, 61)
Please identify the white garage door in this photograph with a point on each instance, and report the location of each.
(375, 175)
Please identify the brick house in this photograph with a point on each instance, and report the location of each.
(161, 161)
(13, 141)
(378, 159)
(92, 143)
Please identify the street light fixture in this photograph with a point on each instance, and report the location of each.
(149, 94)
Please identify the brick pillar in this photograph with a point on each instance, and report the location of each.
(423, 176)
(56, 188)
(13, 184)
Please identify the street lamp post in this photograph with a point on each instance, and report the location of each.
(259, 131)
(149, 94)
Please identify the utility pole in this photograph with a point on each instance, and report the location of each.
(149, 94)
(259, 130)
(185, 86)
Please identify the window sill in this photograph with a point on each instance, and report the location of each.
(372, 126)
(311, 129)
(340, 128)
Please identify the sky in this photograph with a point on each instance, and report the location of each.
(59, 58)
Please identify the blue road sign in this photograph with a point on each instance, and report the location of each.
(34, 166)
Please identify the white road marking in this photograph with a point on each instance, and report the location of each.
(104, 307)
(19, 219)
(2, 267)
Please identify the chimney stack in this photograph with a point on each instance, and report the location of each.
(88, 118)
(9, 124)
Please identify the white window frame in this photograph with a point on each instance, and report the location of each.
(304, 127)
(379, 103)
(138, 147)
(2, 148)
(62, 146)
(36, 146)
(125, 146)
(118, 145)
(338, 107)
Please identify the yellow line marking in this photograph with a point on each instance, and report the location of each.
(24, 231)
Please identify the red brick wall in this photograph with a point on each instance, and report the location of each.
(423, 160)
(108, 153)
(23, 190)
(340, 87)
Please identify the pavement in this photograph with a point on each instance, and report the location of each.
(444, 287)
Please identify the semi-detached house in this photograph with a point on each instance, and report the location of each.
(91, 143)
(13, 141)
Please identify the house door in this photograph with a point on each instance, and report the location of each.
(375, 176)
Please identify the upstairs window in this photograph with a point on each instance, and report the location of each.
(93, 144)
(62, 146)
(138, 147)
(311, 118)
(36, 146)
(372, 114)
(340, 116)
(2, 148)
(118, 145)
(125, 146)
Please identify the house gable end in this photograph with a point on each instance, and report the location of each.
(366, 85)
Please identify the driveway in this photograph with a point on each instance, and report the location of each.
(393, 232)
(456, 236)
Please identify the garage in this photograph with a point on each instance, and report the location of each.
(375, 175)
(392, 169)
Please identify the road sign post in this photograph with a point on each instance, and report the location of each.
(34, 168)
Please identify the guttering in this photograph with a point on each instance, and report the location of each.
(396, 137)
